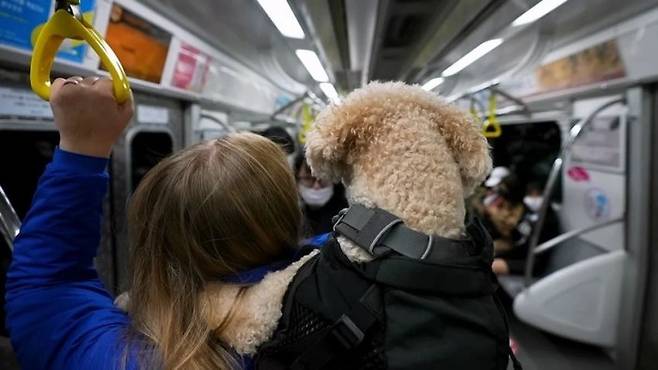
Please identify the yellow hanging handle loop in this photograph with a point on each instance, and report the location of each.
(307, 123)
(65, 25)
(491, 128)
(474, 111)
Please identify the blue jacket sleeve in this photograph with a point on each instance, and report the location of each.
(59, 315)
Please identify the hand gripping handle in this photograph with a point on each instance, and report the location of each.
(61, 26)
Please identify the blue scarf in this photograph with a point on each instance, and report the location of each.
(255, 275)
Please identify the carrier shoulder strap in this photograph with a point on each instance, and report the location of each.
(302, 274)
(378, 232)
(347, 333)
(516, 364)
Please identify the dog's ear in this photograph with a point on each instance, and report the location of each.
(327, 145)
(468, 146)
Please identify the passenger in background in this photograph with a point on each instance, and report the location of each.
(282, 138)
(485, 194)
(504, 210)
(495, 178)
(321, 200)
(514, 222)
(534, 197)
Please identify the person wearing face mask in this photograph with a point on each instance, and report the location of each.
(512, 247)
(498, 174)
(533, 199)
(282, 138)
(504, 210)
(485, 195)
(321, 200)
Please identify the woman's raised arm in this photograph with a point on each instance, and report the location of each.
(58, 313)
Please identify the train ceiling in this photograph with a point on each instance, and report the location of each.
(361, 40)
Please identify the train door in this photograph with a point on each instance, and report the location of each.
(593, 179)
(156, 132)
(528, 146)
(596, 277)
(637, 337)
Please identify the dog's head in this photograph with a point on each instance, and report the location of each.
(403, 149)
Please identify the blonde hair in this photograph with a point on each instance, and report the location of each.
(212, 210)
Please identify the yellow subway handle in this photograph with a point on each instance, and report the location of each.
(491, 128)
(307, 123)
(62, 26)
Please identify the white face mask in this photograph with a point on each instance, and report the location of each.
(533, 202)
(489, 199)
(316, 197)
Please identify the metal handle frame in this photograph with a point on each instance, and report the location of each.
(549, 244)
(574, 134)
(10, 224)
(218, 121)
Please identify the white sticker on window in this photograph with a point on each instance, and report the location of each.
(23, 103)
(152, 114)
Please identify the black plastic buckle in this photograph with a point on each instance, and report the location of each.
(347, 333)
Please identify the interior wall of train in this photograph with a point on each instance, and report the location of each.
(566, 92)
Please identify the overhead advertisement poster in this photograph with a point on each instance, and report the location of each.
(141, 46)
(598, 63)
(19, 18)
(191, 70)
(21, 21)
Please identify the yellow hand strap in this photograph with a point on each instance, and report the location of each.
(61, 26)
(307, 123)
(474, 111)
(491, 128)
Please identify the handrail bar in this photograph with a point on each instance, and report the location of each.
(517, 101)
(288, 105)
(218, 121)
(549, 244)
(574, 134)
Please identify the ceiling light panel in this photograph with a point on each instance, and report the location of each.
(312, 64)
(330, 91)
(536, 12)
(470, 58)
(283, 18)
(433, 83)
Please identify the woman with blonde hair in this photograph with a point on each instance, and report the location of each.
(218, 214)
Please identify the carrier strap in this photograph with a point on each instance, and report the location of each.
(508, 348)
(378, 232)
(467, 261)
(345, 334)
